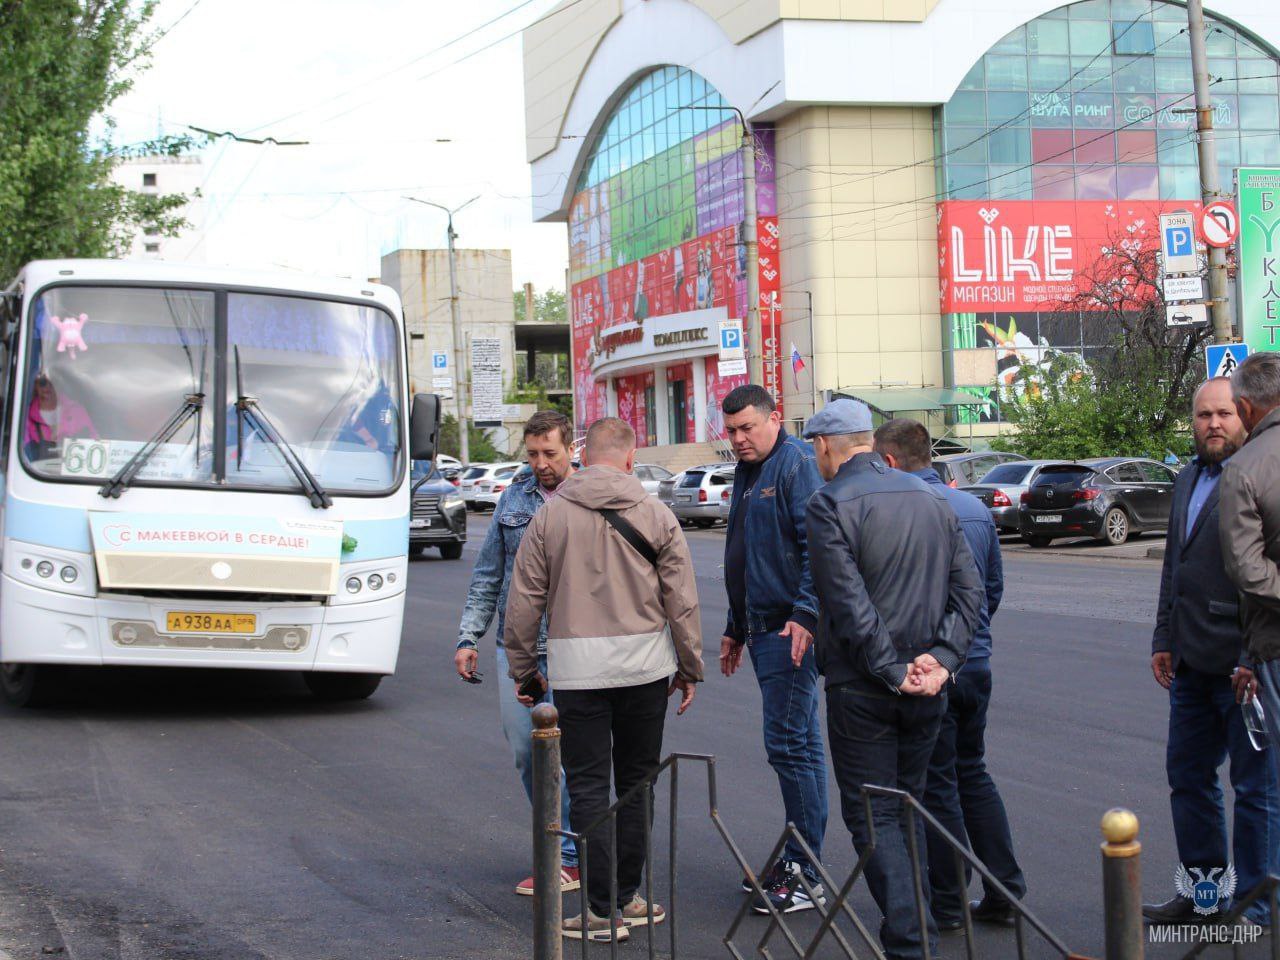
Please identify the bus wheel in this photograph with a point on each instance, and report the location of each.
(342, 686)
(30, 684)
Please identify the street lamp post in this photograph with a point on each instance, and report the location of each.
(459, 388)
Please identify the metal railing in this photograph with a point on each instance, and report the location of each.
(1269, 890)
(548, 832)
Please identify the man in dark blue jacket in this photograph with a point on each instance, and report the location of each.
(1197, 654)
(900, 600)
(772, 611)
(960, 792)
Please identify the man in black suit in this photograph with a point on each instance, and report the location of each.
(1197, 654)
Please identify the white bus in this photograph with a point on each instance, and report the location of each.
(203, 467)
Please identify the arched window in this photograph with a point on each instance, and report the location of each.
(1093, 102)
(650, 169)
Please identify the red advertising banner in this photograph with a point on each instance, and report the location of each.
(1024, 256)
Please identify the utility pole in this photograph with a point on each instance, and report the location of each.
(459, 381)
(755, 335)
(1219, 307)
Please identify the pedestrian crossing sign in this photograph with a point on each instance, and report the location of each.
(1221, 359)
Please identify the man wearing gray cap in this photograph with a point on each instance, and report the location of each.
(900, 599)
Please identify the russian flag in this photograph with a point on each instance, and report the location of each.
(797, 364)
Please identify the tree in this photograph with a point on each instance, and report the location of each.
(482, 448)
(548, 306)
(1133, 397)
(64, 63)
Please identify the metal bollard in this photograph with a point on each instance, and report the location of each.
(1122, 885)
(547, 908)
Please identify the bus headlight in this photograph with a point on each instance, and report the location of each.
(375, 581)
(68, 574)
(45, 569)
(353, 584)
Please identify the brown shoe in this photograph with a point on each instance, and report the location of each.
(597, 928)
(636, 913)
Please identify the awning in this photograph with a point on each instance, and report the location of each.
(888, 402)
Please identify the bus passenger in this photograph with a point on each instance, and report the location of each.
(51, 419)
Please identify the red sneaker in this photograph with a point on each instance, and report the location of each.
(569, 882)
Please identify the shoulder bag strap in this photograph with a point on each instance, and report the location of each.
(631, 535)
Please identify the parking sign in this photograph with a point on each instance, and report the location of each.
(733, 354)
(439, 360)
(1178, 242)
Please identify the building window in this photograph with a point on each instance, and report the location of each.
(151, 248)
(1058, 85)
(148, 179)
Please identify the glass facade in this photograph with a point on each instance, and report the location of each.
(1080, 123)
(1086, 103)
(656, 235)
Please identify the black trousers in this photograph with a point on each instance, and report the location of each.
(962, 796)
(886, 740)
(618, 728)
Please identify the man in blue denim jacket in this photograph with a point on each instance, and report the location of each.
(773, 612)
(547, 439)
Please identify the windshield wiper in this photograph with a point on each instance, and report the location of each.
(247, 406)
(192, 405)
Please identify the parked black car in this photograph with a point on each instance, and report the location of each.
(437, 515)
(1109, 498)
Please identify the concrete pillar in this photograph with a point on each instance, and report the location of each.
(662, 413)
(700, 399)
(610, 397)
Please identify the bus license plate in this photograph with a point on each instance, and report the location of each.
(184, 621)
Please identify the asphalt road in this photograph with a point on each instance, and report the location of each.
(182, 814)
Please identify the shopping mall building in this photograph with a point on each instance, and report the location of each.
(934, 181)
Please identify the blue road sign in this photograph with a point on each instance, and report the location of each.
(1221, 359)
(1180, 241)
(439, 360)
(730, 338)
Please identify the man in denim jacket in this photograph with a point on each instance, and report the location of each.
(773, 613)
(547, 437)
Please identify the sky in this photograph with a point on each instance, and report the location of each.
(385, 117)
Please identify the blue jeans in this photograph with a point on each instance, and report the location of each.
(886, 740)
(517, 726)
(1206, 728)
(793, 739)
(964, 799)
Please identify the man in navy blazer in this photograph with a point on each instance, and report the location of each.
(1197, 654)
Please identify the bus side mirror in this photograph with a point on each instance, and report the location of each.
(424, 426)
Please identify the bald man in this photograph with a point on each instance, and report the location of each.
(610, 567)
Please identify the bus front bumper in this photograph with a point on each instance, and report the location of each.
(46, 626)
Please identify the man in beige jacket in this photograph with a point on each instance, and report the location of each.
(610, 567)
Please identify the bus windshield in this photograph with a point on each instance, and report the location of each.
(109, 366)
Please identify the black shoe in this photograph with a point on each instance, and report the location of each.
(1177, 910)
(787, 894)
(949, 926)
(987, 910)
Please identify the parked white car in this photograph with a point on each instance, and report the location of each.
(651, 476)
(476, 474)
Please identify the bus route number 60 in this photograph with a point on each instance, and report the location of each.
(85, 458)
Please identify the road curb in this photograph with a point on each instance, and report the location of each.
(1155, 553)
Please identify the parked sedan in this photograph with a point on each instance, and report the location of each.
(696, 494)
(1109, 499)
(962, 469)
(476, 473)
(651, 477)
(1002, 489)
(437, 515)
